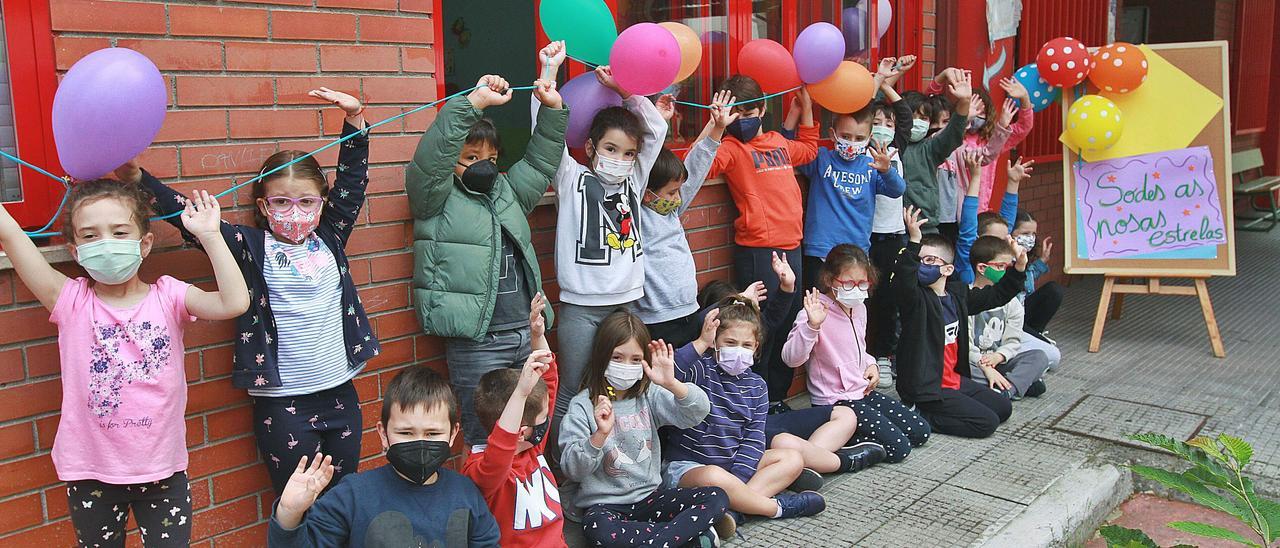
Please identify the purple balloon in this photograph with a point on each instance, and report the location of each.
(585, 97)
(818, 51)
(107, 110)
(854, 23)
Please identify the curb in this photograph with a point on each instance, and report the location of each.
(1068, 511)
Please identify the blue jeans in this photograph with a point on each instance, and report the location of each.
(469, 360)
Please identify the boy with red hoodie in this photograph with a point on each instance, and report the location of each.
(510, 469)
(759, 168)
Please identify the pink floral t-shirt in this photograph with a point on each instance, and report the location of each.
(124, 389)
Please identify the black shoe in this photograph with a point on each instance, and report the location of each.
(1036, 389)
(780, 407)
(863, 455)
(807, 503)
(808, 480)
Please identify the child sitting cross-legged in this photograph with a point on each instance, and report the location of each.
(995, 336)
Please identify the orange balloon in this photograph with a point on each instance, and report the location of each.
(1119, 67)
(847, 90)
(690, 47)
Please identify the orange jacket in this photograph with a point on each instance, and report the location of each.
(764, 187)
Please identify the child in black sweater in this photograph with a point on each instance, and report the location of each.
(933, 361)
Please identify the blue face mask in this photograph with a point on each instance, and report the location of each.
(109, 261)
(928, 273)
(744, 129)
(976, 123)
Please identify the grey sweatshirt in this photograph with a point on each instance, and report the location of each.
(670, 278)
(629, 466)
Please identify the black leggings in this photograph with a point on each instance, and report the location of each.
(290, 427)
(972, 411)
(752, 264)
(882, 312)
(667, 517)
(100, 511)
(1040, 306)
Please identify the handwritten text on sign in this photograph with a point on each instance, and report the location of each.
(1149, 203)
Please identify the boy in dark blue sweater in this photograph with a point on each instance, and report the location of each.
(409, 502)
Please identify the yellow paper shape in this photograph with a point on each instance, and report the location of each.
(1166, 112)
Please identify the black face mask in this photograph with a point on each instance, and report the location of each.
(419, 459)
(537, 432)
(479, 176)
(744, 129)
(931, 131)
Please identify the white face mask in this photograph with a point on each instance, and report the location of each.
(851, 297)
(613, 172)
(623, 375)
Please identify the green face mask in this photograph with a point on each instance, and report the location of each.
(110, 261)
(882, 135)
(992, 274)
(663, 206)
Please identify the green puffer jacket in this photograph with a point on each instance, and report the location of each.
(456, 244)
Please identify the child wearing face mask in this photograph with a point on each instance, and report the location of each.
(670, 303)
(1041, 303)
(829, 338)
(995, 349)
(931, 142)
(410, 501)
(305, 335)
(933, 362)
(121, 352)
(609, 443)
(600, 233)
(510, 470)
(477, 268)
(759, 169)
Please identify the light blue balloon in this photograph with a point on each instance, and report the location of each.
(1041, 93)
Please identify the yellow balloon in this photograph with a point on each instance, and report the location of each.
(690, 47)
(1094, 123)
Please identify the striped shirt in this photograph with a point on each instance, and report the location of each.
(732, 435)
(305, 289)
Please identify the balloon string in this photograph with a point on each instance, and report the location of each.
(589, 64)
(42, 232)
(740, 103)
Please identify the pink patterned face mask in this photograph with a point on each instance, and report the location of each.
(293, 224)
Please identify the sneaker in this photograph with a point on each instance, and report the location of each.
(708, 539)
(808, 480)
(803, 504)
(1036, 389)
(726, 525)
(863, 455)
(886, 372)
(780, 407)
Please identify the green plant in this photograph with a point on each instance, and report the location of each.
(1214, 480)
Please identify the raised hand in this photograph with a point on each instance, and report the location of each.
(710, 324)
(722, 114)
(879, 156)
(814, 309)
(604, 75)
(806, 102)
(666, 105)
(782, 269)
(1020, 170)
(537, 322)
(1013, 89)
(303, 488)
(972, 159)
(130, 172)
(202, 215)
(661, 369)
(911, 216)
(960, 88)
(905, 63)
(1007, 111)
(1046, 249)
(603, 413)
(886, 68)
(552, 56)
(491, 90)
(350, 105)
(534, 367)
(1021, 263)
(977, 107)
(756, 292)
(547, 94)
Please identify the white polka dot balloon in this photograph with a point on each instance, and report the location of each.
(1041, 92)
(1064, 61)
(1121, 68)
(1094, 123)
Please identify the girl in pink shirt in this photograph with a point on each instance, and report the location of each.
(992, 140)
(121, 441)
(830, 337)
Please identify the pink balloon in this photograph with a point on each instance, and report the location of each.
(818, 51)
(585, 97)
(645, 59)
(107, 109)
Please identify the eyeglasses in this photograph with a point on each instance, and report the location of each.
(997, 266)
(934, 260)
(285, 203)
(850, 284)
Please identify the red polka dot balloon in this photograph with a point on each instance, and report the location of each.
(1064, 61)
(1119, 68)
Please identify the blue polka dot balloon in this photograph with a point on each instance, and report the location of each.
(1042, 94)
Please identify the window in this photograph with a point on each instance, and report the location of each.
(26, 101)
(10, 185)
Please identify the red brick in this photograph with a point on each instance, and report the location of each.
(418, 59)
(399, 30)
(386, 5)
(359, 58)
(359, 270)
(293, 89)
(59, 533)
(30, 399)
(385, 297)
(393, 148)
(224, 518)
(368, 389)
(278, 2)
(200, 497)
(311, 25)
(206, 332)
(247, 124)
(24, 324)
(376, 238)
(212, 21)
(395, 324)
(223, 456)
(195, 431)
(46, 431)
(205, 160)
(193, 125)
(96, 16)
(391, 267)
(55, 500)
(416, 6)
(238, 483)
(16, 439)
(397, 352)
(26, 474)
(172, 54)
(225, 90)
(11, 369)
(255, 535)
(160, 161)
(216, 362)
(68, 49)
(385, 179)
(428, 347)
(212, 395)
(388, 208)
(271, 57)
(230, 422)
(400, 90)
(327, 157)
(332, 120)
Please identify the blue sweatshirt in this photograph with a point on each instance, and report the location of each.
(842, 200)
(379, 508)
(732, 434)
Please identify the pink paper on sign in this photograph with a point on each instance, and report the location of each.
(1149, 203)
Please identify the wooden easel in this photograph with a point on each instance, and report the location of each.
(1113, 286)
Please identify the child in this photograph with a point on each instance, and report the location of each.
(1041, 303)
(510, 471)
(931, 142)
(410, 501)
(599, 237)
(840, 370)
(933, 373)
(609, 442)
(728, 448)
(121, 440)
(305, 335)
(476, 266)
(995, 336)
(758, 167)
(669, 306)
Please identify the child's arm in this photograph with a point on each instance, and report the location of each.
(804, 333)
(583, 433)
(940, 146)
(902, 281)
(747, 459)
(538, 323)
(791, 120)
(494, 466)
(169, 201)
(805, 146)
(689, 359)
(530, 177)
(901, 112)
(325, 523)
(1008, 287)
(347, 195)
(202, 218)
(775, 310)
(41, 278)
(429, 177)
(969, 216)
(705, 341)
(703, 154)
(1026, 115)
(1018, 172)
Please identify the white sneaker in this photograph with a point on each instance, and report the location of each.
(886, 373)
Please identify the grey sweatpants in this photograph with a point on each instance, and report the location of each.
(1025, 368)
